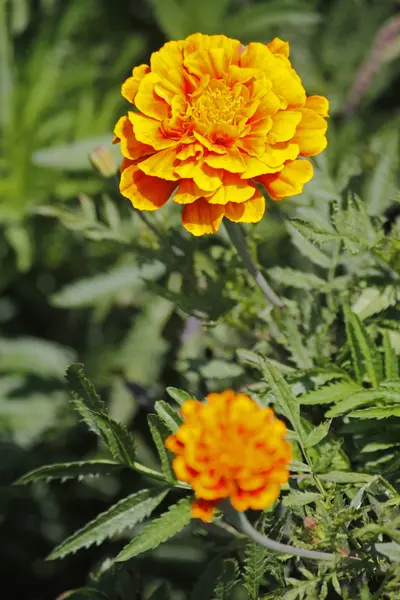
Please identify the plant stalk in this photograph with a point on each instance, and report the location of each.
(237, 239)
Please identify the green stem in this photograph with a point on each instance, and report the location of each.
(237, 239)
(243, 524)
(157, 475)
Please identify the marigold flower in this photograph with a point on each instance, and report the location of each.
(230, 447)
(213, 117)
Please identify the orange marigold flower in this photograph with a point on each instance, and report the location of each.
(230, 447)
(212, 118)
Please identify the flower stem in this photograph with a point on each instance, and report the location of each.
(237, 239)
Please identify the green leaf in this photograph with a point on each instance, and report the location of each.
(330, 393)
(360, 398)
(255, 562)
(345, 477)
(204, 587)
(159, 530)
(159, 433)
(227, 580)
(380, 186)
(307, 248)
(72, 470)
(91, 291)
(376, 413)
(178, 395)
(34, 356)
(391, 363)
(365, 355)
(171, 18)
(168, 415)
(298, 279)
(74, 156)
(88, 404)
(284, 397)
(296, 498)
(220, 369)
(127, 513)
(317, 434)
(389, 549)
(81, 388)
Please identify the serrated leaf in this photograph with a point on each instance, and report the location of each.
(159, 530)
(365, 355)
(168, 415)
(72, 470)
(284, 397)
(330, 393)
(376, 413)
(298, 279)
(389, 549)
(317, 434)
(82, 388)
(360, 398)
(296, 498)
(91, 408)
(391, 363)
(205, 585)
(345, 477)
(255, 561)
(227, 580)
(127, 513)
(178, 395)
(159, 433)
(307, 248)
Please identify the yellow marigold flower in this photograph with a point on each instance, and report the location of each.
(211, 118)
(230, 447)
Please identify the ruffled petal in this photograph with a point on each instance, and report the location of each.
(145, 193)
(278, 46)
(310, 133)
(284, 125)
(148, 102)
(149, 131)
(205, 177)
(319, 104)
(130, 147)
(130, 86)
(250, 211)
(233, 189)
(161, 164)
(288, 182)
(167, 63)
(188, 192)
(231, 161)
(201, 218)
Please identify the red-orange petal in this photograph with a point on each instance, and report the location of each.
(145, 193)
(201, 218)
(288, 182)
(250, 211)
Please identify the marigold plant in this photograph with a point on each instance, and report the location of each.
(212, 118)
(230, 447)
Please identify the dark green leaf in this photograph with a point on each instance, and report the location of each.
(168, 415)
(159, 433)
(72, 470)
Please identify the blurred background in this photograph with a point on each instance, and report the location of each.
(71, 254)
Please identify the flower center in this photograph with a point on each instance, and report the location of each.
(218, 104)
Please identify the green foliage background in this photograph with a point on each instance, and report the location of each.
(82, 279)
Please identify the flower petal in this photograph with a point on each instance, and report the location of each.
(130, 147)
(130, 86)
(278, 46)
(145, 193)
(188, 192)
(201, 218)
(310, 133)
(148, 102)
(250, 211)
(284, 125)
(167, 63)
(288, 182)
(161, 164)
(233, 189)
(203, 509)
(149, 131)
(319, 104)
(205, 177)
